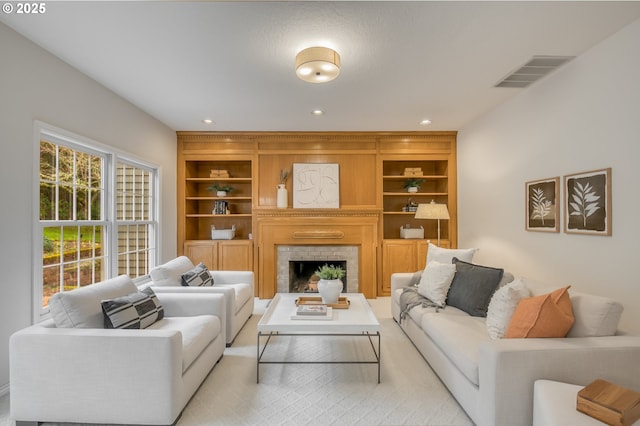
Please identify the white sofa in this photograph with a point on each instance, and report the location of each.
(493, 380)
(236, 286)
(78, 371)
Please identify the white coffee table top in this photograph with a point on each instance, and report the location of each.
(358, 318)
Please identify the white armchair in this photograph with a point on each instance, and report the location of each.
(88, 374)
(236, 286)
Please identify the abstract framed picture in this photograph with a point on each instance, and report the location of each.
(588, 202)
(542, 205)
(316, 185)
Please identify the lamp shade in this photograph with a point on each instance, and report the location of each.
(317, 64)
(432, 211)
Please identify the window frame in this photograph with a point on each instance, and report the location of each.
(111, 156)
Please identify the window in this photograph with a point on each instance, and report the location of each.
(95, 205)
(134, 213)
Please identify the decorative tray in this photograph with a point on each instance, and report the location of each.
(343, 302)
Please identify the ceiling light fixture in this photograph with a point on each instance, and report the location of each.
(425, 122)
(317, 112)
(207, 121)
(317, 64)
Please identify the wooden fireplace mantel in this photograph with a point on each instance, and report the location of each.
(357, 227)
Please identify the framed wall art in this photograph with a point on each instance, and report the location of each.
(588, 202)
(316, 185)
(543, 205)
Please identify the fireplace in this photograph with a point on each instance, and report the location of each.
(284, 235)
(302, 278)
(311, 257)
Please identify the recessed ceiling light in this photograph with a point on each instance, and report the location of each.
(425, 122)
(207, 121)
(317, 112)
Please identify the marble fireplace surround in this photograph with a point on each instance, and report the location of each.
(317, 253)
(357, 228)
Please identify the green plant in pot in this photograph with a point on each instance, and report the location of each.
(330, 284)
(412, 185)
(221, 189)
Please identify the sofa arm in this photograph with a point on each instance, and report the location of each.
(508, 369)
(403, 279)
(233, 277)
(108, 375)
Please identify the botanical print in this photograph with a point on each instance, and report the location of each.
(542, 205)
(316, 185)
(588, 202)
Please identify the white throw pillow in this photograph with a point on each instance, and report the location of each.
(444, 255)
(436, 280)
(502, 306)
(170, 274)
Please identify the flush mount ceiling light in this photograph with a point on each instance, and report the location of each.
(317, 64)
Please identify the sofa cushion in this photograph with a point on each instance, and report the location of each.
(502, 306)
(436, 280)
(594, 315)
(445, 255)
(459, 337)
(170, 273)
(197, 277)
(197, 332)
(136, 310)
(81, 308)
(472, 287)
(547, 315)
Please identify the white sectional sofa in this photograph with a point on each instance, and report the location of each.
(493, 379)
(71, 369)
(236, 286)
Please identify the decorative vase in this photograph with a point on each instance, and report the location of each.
(330, 290)
(412, 189)
(221, 193)
(282, 197)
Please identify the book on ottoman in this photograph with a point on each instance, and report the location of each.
(313, 312)
(609, 403)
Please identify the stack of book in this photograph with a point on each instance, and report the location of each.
(220, 207)
(313, 312)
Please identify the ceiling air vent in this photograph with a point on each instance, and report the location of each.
(534, 70)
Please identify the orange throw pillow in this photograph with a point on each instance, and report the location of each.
(547, 315)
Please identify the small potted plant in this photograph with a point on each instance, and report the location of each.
(412, 185)
(330, 284)
(221, 189)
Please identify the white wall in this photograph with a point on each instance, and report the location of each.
(583, 117)
(34, 85)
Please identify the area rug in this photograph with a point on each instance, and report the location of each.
(324, 394)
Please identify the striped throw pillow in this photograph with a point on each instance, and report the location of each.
(136, 310)
(198, 276)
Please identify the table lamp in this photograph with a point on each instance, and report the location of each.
(433, 211)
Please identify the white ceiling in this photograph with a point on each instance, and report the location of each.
(233, 62)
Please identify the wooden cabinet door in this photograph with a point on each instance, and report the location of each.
(397, 256)
(202, 251)
(235, 255)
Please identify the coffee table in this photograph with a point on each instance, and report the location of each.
(357, 321)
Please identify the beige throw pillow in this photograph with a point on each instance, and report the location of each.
(445, 255)
(436, 280)
(502, 306)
